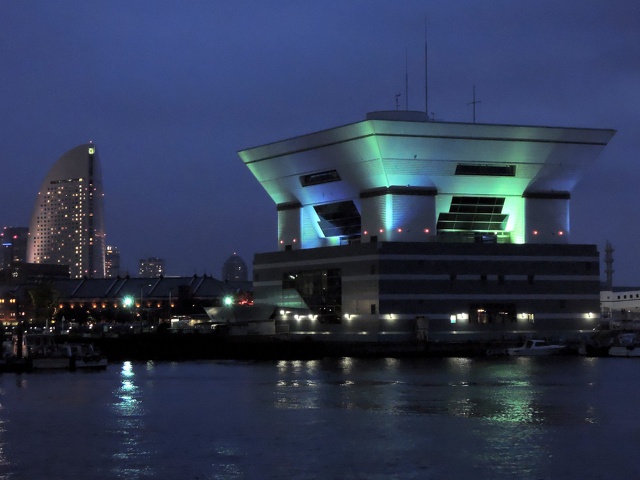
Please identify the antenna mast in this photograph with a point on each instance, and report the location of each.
(426, 71)
(474, 103)
(406, 80)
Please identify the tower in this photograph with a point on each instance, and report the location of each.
(608, 260)
(67, 224)
(234, 269)
(112, 262)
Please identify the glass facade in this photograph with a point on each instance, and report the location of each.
(321, 290)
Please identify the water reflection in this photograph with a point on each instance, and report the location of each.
(330, 418)
(507, 393)
(4, 462)
(297, 385)
(500, 410)
(132, 459)
(346, 364)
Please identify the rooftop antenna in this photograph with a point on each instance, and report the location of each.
(474, 102)
(398, 95)
(406, 79)
(426, 71)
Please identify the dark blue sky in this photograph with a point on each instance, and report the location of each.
(170, 90)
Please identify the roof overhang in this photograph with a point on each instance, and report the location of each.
(405, 149)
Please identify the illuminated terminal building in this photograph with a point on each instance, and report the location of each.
(398, 223)
(67, 224)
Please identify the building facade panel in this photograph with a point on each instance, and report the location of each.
(547, 220)
(370, 301)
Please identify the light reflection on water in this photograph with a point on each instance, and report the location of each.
(331, 418)
(131, 460)
(514, 405)
(4, 461)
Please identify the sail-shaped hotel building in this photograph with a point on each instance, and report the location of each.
(67, 224)
(399, 223)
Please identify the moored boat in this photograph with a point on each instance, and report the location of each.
(85, 357)
(536, 348)
(625, 345)
(40, 352)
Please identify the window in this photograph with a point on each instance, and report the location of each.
(338, 219)
(319, 177)
(492, 170)
(479, 214)
(492, 313)
(321, 291)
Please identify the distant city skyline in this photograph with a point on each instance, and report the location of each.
(14, 245)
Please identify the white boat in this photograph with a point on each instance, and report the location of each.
(535, 348)
(625, 345)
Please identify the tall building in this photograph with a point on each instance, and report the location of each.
(234, 269)
(14, 245)
(398, 223)
(151, 267)
(112, 262)
(67, 224)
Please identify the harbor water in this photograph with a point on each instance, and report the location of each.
(342, 418)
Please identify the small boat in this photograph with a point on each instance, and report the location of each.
(535, 348)
(84, 357)
(625, 345)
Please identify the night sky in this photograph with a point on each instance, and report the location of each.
(169, 91)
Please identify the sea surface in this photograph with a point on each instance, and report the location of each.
(456, 418)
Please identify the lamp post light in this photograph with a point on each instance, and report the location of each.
(127, 301)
